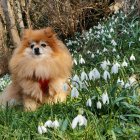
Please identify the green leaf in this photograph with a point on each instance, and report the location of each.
(64, 125)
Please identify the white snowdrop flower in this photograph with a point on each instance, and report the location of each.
(132, 7)
(96, 74)
(99, 26)
(127, 85)
(99, 105)
(139, 38)
(113, 42)
(118, 57)
(109, 36)
(75, 61)
(98, 36)
(82, 61)
(39, 130)
(42, 129)
(116, 19)
(92, 55)
(89, 102)
(115, 68)
(111, 30)
(74, 92)
(124, 64)
(88, 52)
(84, 76)
(91, 75)
(97, 51)
(56, 124)
(104, 65)
(121, 82)
(105, 98)
(48, 123)
(79, 119)
(132, 57)
(106, 75)
(113, 50)
(76, 78)
(105, 50)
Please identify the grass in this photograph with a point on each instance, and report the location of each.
(117, 120)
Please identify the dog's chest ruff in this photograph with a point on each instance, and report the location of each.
(44, 85)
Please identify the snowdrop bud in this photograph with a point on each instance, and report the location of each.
(97, 51)
(82, 61)
(48, 123)
(56, 124)
(92, 56)
(113, 42)
(99, 105)
(109, 36)
(105, 98)
(111, 30)
(89, 102)
(76, 78)
(74, 92)
(124, 64)
(118, 57)
(84, 76)
(106, 75)
(132, 7)
(132, 57)
(113, 50)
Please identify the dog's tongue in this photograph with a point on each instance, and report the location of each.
(44, 85)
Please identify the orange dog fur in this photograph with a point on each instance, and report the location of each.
(41, 57)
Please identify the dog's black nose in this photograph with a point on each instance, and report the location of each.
(36, 50)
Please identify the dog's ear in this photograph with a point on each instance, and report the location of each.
(49, 32)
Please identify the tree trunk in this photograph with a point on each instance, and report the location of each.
(10, 22)
(4, 52)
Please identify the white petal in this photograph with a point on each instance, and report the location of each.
(44, 130)
(82, 120)
(39, 130)
(74, 92)
(89, 102)
(56, 124)
(48, 123)
(99, 105)
(84, 76)
(74, 122)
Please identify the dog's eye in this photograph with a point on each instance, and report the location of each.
(32, 45)
(43, 45)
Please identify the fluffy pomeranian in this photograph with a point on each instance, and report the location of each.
(40, 69)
